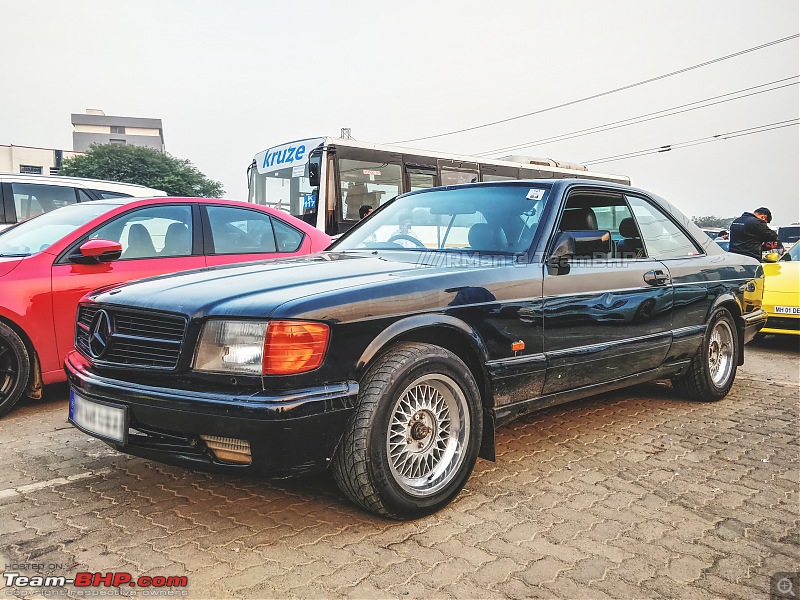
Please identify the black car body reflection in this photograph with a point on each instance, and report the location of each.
(395, 362)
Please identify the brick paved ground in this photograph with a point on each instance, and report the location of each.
(636, 494)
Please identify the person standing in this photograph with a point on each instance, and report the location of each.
(750, 231)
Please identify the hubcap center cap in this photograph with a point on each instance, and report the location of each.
(420, 431)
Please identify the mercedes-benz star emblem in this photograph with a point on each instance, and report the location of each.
(99, 334)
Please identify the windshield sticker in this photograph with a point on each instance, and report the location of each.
(298, 170)
(368, 172)
(535, 194)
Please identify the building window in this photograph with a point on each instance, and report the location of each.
(116, 141)
(117, 129)
(30, 170)
(54, 170)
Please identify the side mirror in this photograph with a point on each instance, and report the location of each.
(96, 251)
(314, 170)
(771, 257)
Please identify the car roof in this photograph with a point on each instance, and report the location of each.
(82, 182)
(130, 201)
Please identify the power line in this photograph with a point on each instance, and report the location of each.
(646, 117)
(696, 142)
(601, 94)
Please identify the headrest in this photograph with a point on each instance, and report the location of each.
(579, 219)
(627, 228)
(484, 236)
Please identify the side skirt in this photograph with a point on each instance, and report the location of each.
(510, 412)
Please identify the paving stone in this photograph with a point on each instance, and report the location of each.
(633, 494)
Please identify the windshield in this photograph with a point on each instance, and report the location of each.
(286, 189)
(495, 219)
(38, 233)
(794, 252)
(279, 178)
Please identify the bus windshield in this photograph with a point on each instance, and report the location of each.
(490, 219)
(279, 178)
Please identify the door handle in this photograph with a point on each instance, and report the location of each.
(656, 277)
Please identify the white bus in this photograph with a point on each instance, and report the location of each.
(325, 181)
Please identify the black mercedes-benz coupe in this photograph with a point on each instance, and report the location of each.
(392, 357)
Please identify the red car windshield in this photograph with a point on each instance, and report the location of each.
(40, 232)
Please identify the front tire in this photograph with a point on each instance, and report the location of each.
(15, 368)
(713, 367)
(413, 440)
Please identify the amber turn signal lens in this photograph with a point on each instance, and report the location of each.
(294, 347)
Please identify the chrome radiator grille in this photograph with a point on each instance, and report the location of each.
(120, 336)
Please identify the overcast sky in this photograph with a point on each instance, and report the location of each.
(229, 79)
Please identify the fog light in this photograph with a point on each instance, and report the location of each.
(228, 450)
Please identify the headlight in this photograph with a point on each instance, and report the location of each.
(231, 346)
(259, 347)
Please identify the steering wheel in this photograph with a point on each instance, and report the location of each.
(410, 238)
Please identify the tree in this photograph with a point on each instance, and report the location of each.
(145, 166)
(713, 221)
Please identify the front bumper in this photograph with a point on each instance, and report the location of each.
(784, 324)
(753, 322)
(290, 433)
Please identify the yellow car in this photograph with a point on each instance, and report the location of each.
(782, 292)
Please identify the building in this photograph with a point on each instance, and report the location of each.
(32, 160)
(95, 127)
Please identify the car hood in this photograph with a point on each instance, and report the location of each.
(308, 286)
(9, 263)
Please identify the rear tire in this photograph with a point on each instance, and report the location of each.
(713, 367)
(413, 440)
(15, 368)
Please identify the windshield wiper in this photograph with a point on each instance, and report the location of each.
(10, 255)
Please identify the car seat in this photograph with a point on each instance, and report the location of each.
(631, 246)
(578, 219)
(485, 236)
(177, 241)
(140, 244)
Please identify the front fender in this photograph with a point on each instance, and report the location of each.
(418, 323)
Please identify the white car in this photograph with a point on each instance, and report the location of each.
(25, 196)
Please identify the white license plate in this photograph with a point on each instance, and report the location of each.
(787, 310)
(102, 420)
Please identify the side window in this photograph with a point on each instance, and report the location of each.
(151, 232)
(287, 237)
(603, 212)
(83, 196)
(457, 176)
(662, 238)
(240, 231)
(105, 194)
(31, 199)
(366, 183)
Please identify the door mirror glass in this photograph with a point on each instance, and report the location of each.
(314, 169)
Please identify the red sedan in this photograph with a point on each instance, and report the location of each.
(47, 263)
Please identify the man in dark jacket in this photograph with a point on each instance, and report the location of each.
(749, 231)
